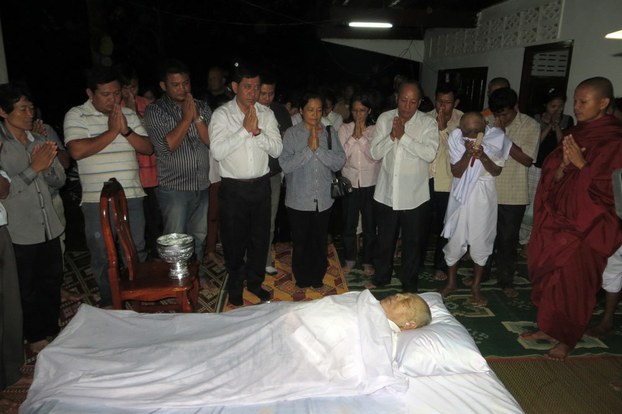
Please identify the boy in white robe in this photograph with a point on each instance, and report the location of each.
(471, 218)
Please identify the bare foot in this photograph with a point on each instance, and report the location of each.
(537, 335)
(558, 353)
(599, 330)
(368, 270)
(67, 295)
(38, 346)
(440, 275)
(467, 281)
(478, 299)
(447, 290)
(510, 293)
(370, 285)
(213, 257)
(346, 269)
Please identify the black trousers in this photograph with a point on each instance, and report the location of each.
(40, 273)
(361, 200)
(244, 231)
(509, 218)
(309, 231)
(412, 224)
(439, 201)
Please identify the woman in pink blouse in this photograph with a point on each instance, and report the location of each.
(361, 169)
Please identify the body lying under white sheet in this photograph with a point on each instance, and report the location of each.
(335, 346)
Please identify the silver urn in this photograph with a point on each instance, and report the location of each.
(176, 249)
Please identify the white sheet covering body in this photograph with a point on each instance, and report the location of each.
(121, 361)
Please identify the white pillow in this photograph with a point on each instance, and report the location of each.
(442, 348)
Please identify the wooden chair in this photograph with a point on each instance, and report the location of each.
(139, 282)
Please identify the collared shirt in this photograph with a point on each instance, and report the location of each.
(440, 168)
(308, 173)
(3, 218)
(117, 160)
(31, 215)
(403, 179)
(186, 168)
(240, 154)
(360, 168)
(523, 131)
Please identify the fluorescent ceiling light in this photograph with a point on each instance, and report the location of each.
(371, 25)
(614, 35)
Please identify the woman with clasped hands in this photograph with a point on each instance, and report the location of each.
(362, 170)
(308, 164)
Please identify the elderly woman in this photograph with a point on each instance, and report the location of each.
(308, 161)
(33, 167)
(362, 171)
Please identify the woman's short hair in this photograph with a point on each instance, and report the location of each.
(10, 94)
(307, 96)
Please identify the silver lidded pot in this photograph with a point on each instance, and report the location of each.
(176, 249)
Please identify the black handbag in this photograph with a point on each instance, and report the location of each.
(340, 186)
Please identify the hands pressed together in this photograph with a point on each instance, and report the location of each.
(43, 156)
(314, 137)
(117, 121)
(251, 122)
(573, 154)
(397, 131)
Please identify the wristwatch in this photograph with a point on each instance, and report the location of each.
(198, 119)
(128, 133)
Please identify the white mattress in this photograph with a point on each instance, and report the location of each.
(122, 362)
(477, 393)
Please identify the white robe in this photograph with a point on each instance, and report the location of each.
(471, 218)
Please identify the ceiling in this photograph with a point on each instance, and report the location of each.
(410, 18)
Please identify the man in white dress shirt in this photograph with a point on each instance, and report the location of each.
(243, 134)
(405, 141)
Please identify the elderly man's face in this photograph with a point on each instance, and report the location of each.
(397, 308)
(408, 101)
(106, 96)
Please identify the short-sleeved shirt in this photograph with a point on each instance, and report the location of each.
(117, 160)
(524, 131)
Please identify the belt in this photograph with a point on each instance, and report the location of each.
(247, 180)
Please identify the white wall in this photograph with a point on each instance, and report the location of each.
(587, 22)
(584, 21)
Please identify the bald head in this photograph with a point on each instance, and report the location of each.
(497, 83)
(592, 99)
(602, 86)
(471, 124)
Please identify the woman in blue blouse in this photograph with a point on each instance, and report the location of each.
(308, 164)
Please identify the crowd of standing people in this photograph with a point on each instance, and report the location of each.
(216, 167)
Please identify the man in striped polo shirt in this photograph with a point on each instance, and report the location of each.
(103, 138)
(177, 127)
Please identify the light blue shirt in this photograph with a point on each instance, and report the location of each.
(308, 173)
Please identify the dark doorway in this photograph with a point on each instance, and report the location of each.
(470, 83)
(544, 67)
